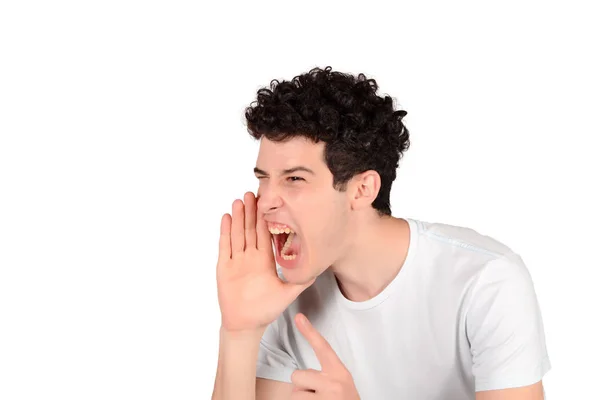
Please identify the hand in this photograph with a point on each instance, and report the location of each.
(251, 295)
(333, 382)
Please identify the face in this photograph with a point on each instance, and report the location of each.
(296, 193)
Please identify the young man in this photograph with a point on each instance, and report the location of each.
(368, 305)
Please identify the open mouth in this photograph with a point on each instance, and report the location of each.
(284, 239)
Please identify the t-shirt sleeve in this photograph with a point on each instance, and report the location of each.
(274, 362)
(504, 327)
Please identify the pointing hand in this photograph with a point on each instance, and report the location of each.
(333, 382)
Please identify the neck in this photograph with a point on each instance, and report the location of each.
(376, 252)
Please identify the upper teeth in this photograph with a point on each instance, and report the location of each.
(276, 231)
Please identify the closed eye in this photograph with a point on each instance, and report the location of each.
(290, 178)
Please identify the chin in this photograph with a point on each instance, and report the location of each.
(296, 276)
(300, 275)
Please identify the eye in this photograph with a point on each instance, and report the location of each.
(295, 178)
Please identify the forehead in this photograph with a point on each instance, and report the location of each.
(295, 151)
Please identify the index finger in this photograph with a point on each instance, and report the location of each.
(250, 219)
(263, 239)
(323, 350)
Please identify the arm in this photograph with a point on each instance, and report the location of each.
(267, 389)
(506, 333)
(251, 296)
(530, 392)
(236, 370)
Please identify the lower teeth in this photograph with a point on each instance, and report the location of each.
(286, 245)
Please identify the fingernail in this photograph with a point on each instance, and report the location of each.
(303, 320)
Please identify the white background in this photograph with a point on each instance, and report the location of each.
(122, 143)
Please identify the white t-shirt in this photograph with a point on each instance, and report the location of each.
(461, 316)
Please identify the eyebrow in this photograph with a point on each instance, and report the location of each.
(287, 171)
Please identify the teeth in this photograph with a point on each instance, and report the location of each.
(287, 243)
(277, 231)
(285, 248)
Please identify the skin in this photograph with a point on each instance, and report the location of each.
(334, 381)
(530, 392)
(251, 296)
(338, 230)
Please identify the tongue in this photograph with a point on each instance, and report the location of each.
(294, 247)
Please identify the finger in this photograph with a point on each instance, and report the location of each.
(330, 362)
(250, 220)
(225, 239)
(237, 228)
(264, 241)
(309, 379)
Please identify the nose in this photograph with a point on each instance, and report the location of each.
(268, 200)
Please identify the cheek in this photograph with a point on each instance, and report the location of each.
(326, 238)
(321, 219)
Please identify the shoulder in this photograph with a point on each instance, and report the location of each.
(489, 259)
(457, 237)
(462, 261)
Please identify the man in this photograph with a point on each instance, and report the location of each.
(368, 305)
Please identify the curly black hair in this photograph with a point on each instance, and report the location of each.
(361, 130)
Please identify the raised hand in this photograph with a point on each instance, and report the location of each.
(251, 295)
(333, 382)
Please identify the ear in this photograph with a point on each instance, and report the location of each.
(363, 189)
